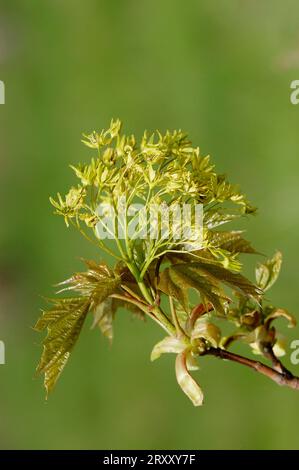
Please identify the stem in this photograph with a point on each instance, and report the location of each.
(281, 378)
(144, 308)
(95, 242)
(276, 363)
(132, 294)
(156, 309)
(179, 330)
(127, 241)
(150, 300)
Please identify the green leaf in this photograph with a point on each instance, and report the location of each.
(64, 323)
(60, 307)
(65, 319)
(170, 344)
(204, 277)
(177, 279)
(98, 282)
(105, 312)
(216, 217)
(231, 241)
(267, 273)
(233, 280)
(103, 317)
(170, 285)
(189, 386)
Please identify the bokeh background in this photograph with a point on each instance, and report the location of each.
(222, 71)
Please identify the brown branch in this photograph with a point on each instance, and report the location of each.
(276, 363)
(281, 378)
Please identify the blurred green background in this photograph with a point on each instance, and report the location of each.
(222, 71)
